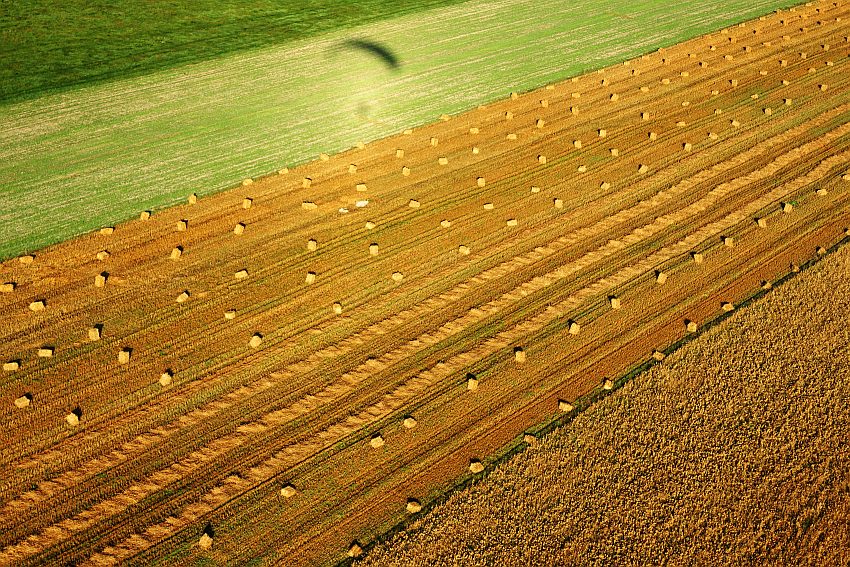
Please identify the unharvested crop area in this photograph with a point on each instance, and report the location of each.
(282, 371)
(733, 451)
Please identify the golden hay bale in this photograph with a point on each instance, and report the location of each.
(653, 136)
(480, 182)
(489, 206)
(614, 96)
(787, 207)
(352, 168)
(309, 205)
(397, 276)
(102, 255)
(288, 491)
(370, 225)
(354, 550)
(38, 305)
(728, 241)
(239, 228)
(405, 171)
(509, 115)
(821, 191)
(11, 366)
(514, 96)
(660, 277)
(241, 274)
(464, 250)
(786, 82)
(256, 340)
(644, 115)
(535, 189)
(512, 222)
(614, 301)
(735, 123)
(604, 185)
(574, 328)
(73, 418)
(409, 422)
(144, 215)
(614, 152)
(665, 81)
(582, 168)
(565, 406)
(94, 332)
(473, 130)
(787, 101)
(540, 123)
(310, 278)
(413, 204)
(283, 171)
(761, 222)
(107, 230)
(718, 111)
(165, 378)
(434, 141)
(247, 202)
(45, 352)
(373, 249)
(602, 132)
(176, 253)
(575, 95)
(712, 136)
(413, 506)
(361, 187)
(697, 257)
(306, 182)
(559, 203)
(574, 110)
(124, 355)
(183, 297)
(544, 103)
(643, 168)
(100, 279)
(541, 159)
(7, 287)
(476, 466)
(577, 144)
(820, 251)
(376, 441)
(728, 57)
(312, 244)
(26, 259)
(445, 117)
(206, 541)
(510, 136)
(445, 223)
(845, 177)
(337, 308)
(443, 160)
(658, 355)
(681, 123)
(230, 315)
(823, 87)
(727, 306)
(324, 157)
(519, 355)
(408, 132)
(182, 225)
(23, 401)
(687, 146)
(607, 384)
(193, 198)
(690, 326)
(767, 111)
(471, 382)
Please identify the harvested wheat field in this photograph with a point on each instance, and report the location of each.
(283, 371)
(733, 451)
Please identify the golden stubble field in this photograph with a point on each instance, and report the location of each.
(732, 451)
(283, 371)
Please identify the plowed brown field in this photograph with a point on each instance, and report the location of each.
(150, 467)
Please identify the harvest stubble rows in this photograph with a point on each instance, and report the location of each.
(267, 390)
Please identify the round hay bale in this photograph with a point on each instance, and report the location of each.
(614, 301)
(73, 418)
(574, 110)
(312, 244)
(7, 287)
(767, 111)
(712, 136)
(614, 97)
(144, 215)
(310, 278)
(38, 305)
(288, 491)
(574, 328)
(463, 250)
(183, 297)
(665, 81)
(690, 326)
(23, 401)
(405, 171)
(735, 123)
(480, 182)
(602, 132)
(559, 203)
(337, 308)
(165, 378)
(653, 136)
(644, 89)
(535, 189)
(413, 506)
(445, 223)
(409, 422)
(577, 144)
(541, 159)
(376, 441)
(476, 466)
(370, 225)
(11, 366)
(256, 340)
(604, 185)
(397, 276)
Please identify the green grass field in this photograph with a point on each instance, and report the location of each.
(76, 160)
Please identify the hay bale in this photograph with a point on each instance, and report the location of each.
(241, 274)
(786, 82)
(352, 168)
(535, 189)
(614, 301)
(565, 406)
(573, 327)
(23, 401)
(73, 418)
(239, 228)
(144, 215)
(310, 278)
(361, 187)
(377, 441)
(434, 141)
(577, 144)
(306, 183)
(489, 206)
(445, 223)
(660, 277)
(361, 203)
(182, 225)
(463, 250)
(733, 82)
(480, 182)
(787, 207)
(443, 160)
(766, 284)
(687, 146)
(355, 550)
(582, 168)
(370, 225)
(256, 340)
(473, 130)
(205, 542)
(408, 132)
(409, 422)
(324, 157)
(728, 241)
(397, 276)
(658, 355)
(712, 136)
(193, 198)
(559, 203)
(604, 185)
(107, 230)
(309, 205)
(183, 297)
(475, 466)
(511, 136)
(821, 191)
(509, 115)
(644, 115)
(735, 123)
(373, 249)
(413, 506)
(761, 222)
(100, 279)
(471, 382)
(519, 355)
(767, 111)
(413, 204)
(337, 308)
(45, 352)
(544, 103)
(727, 306)
(541, 159)
(614, 97)
(665, 81)
(176, 253)
(602, 132)
(7, 287)
(288, 491)
(102, 255)
(11, 366)
(697, 257)
(823, 88)
(38, 305)
(607, 384)
(643, 168)
(247, 202)
(94, 332)
(405, 171)
(644, 89)
(165, 378)
(512, 222)
(574, 110)
(229, 315)
(312, 244)
(124, 355)
(540, 123)
(653, 136)
(283, 171)
(575, 95)
(845, 177)
(690, 326)
(787, 101)
(820, 251)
